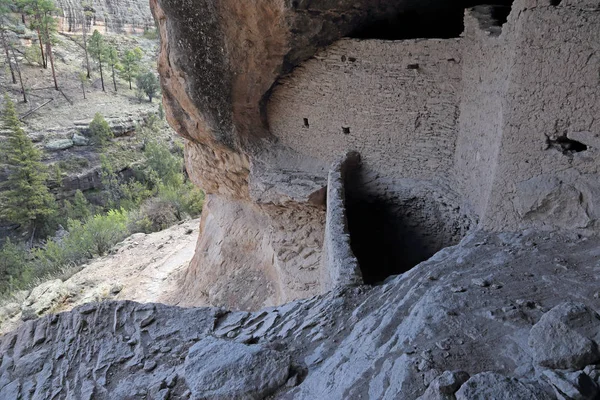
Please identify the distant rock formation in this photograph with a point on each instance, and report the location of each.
(123, 16)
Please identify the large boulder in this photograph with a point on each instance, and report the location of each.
(566, 337)
(221, 369)
(59, 144)
(491, 385)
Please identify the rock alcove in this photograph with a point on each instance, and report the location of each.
(392, 232)
(438, 20)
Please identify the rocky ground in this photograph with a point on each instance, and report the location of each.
(499, 316)
(143, 268)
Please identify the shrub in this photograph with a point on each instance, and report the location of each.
(155, 215)
(148, 83)
(167, 166)
(14, 266)
(100, 131)
(85, 239)
(104, 231)
(187, 199)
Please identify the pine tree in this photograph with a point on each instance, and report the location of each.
(97, 49)
(44, 24)
(130, 64)
(26, 201)
(4, 12)
(112, 57)
(148, 83)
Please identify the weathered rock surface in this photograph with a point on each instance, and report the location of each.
(221, 369)
(566, 336)
(490, 129)
(382, 342)
(59, 144)
(105, 15)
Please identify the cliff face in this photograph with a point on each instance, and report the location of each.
(330, 163)
(492, 129)
(123, 16)
(467, 324)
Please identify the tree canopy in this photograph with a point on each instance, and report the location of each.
(27, 201)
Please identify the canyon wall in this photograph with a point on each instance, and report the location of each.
(492, 130)
(122, 16)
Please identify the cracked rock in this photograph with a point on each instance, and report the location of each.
(565, 337)
(221, 369)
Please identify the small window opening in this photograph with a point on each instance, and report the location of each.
(555, 3)
(412, 66)
(306, 125)
(346, 130)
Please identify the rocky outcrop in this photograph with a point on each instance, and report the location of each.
(465, 325)
(455, 132)
(127, 16)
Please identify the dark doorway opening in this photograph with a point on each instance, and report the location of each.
(440, 20)
(391, 237)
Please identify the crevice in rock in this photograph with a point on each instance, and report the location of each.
(437, 20)
(565, 145)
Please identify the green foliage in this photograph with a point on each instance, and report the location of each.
(80, 209)
(130, 64)
(33, 55)
(97, 49)
(100, 131)
(94, 236)
(151, 34)
(27, 201)
(110, 182)
(74, 164)
(168, 167)
(103, 231)
(14, 264)
(97, 46)
(187, 199)
(154, 215)
(148, 83)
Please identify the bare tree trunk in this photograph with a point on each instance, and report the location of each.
(5, 45)
(49, 53)
(42, 49)
(20, 77)
(113, 76)
(87, 60)
(101, 75)
(83, 89)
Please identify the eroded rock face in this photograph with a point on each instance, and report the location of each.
(455, 133)
(126, 16)
(385, 342)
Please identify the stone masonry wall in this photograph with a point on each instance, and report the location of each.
(395, 102)
(551, 93)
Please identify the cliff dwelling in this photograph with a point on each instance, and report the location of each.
(403, 202)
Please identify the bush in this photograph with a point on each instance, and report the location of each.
(100, 131)
(167, 166)
(85, 239)
(151, 34)
(154, 215)
(14, 266)
(148, 83)
(104, 231)
(187, 199)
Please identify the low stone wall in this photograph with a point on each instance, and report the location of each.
(340, 265)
